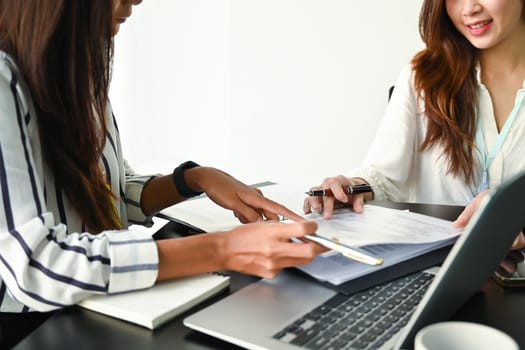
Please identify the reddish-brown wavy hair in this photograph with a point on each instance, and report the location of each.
(63, 49)
(445, 78)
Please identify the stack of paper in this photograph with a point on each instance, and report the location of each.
(392, 234)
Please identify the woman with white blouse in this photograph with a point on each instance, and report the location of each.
(455, 125)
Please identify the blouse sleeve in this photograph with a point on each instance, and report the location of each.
(133, 191)
(389, 160)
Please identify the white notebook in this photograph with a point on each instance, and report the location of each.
(152, 307)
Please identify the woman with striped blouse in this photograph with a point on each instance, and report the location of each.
(67, 196)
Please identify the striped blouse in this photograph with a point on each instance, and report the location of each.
(47, 260)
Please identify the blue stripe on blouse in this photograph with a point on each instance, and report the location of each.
(7, 205)
(134, 268)
(30, 170)
(5, 192)
(145, 240)
(107, 169)
(112, 144)
(31, 294)
(3, 289)
(66, 279)
(60, 203)
(77, 249)
(132, 202)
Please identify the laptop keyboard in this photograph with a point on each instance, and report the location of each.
(365, 320)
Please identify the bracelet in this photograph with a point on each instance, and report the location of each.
(180, 183)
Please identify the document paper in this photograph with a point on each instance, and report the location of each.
(378, 225)
(395, 235)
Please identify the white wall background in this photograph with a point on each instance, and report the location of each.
(283, 90)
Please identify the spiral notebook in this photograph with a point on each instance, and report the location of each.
(155, 306)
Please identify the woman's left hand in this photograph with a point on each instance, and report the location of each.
(465, 216)
(509, 265)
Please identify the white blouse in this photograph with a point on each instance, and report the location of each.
(47, 260)
(398, 171)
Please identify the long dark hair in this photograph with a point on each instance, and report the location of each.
(445, 77)
(63, 49)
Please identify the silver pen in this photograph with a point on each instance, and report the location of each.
(349, 252)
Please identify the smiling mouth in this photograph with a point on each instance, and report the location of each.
(480, 24)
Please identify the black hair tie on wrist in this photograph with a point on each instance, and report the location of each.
(180, 183)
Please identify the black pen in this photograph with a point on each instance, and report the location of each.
(355, 189)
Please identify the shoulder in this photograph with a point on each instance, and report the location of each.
(8, 79)
(6, 68)
(404, 87)
(12, 86)
(406, 76)
(16, 102)
(407, 71)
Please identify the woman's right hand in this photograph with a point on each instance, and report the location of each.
(509, 265)
(264, 249)
(327, 204)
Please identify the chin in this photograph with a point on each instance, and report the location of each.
(116, 28)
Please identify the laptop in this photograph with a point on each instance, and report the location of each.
(295, 312)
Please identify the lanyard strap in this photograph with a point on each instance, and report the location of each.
(488, 159)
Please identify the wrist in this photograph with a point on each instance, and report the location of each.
(362, 181)
(180, 182)
(220, 246)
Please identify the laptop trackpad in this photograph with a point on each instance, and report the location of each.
(261, 308)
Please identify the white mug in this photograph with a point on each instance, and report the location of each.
(462, 336)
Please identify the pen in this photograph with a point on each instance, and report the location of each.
(349, 252)
(355, 189)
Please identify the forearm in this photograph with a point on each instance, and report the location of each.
(160, 192)
(190, 255)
